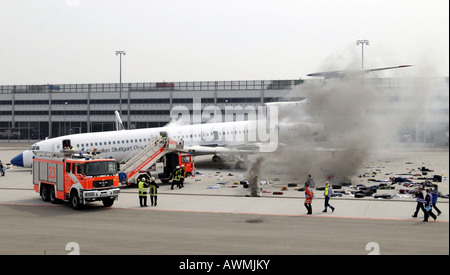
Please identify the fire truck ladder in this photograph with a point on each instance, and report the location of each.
(143, 159)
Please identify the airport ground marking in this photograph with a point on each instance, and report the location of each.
(273, 214)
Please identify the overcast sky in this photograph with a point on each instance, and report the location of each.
(74, 41)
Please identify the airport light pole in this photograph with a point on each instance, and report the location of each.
(120, 53)
(362, 42)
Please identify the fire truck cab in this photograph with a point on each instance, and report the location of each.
(76, 178)
(165, 167)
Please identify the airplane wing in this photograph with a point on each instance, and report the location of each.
(200, 150)
(352, 73)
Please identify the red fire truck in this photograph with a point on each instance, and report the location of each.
(77, 178)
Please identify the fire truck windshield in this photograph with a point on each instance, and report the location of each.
(98, 168)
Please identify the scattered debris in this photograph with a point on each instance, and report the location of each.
(214, 187)
(383, 196)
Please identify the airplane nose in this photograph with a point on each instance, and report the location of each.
(18, 160)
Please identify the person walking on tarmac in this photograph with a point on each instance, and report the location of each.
(176, 177)
(420, 201)
(435, 195)
(142, 185)
(429, 206)
(327, 193)
(182, 175)
(310, 181)
(153, 191)
(309, 195)
(2, 168)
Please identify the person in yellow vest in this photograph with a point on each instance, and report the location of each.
(176, 176)
(182, 175)
(327, 193)
(142, 185)
(153, 191)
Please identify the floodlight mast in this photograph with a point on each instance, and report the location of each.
(120, 53)
(362, 43)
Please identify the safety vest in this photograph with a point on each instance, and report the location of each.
(177, 175)
(309, 194)
(420, 198)
(328, 191)
(142, 189)
(152, 190)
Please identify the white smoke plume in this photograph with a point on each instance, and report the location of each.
(359, 121)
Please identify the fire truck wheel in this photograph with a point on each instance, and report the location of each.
(108, 202)
(75, 200)
(52, 192)
(45, 192)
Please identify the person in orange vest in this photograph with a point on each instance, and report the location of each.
(309, 196)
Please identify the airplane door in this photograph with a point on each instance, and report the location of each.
(66, 144)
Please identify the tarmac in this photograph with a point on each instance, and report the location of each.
(216, 195)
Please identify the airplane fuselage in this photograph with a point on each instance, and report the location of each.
(202, 139)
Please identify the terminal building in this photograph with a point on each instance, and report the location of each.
(35, 112)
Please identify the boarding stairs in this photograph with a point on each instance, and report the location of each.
(142, 160)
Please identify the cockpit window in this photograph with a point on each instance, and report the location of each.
(34, 147)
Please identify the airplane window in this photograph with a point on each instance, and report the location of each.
(130, 141)
(140, 140)
(100, 144)
(92, 144)
(109, 142)
(96, 144)
(123, 141)
(82, 145)
(114, 142)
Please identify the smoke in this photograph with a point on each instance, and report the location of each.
(360, 120)
(253, 176)
(352, 131)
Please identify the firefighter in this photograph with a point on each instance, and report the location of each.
(309, 196)
(176, 177)
(183, 175)
(153, 191)
(143, 192)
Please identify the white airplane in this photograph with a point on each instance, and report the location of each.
(222, 139)
(218, 139)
